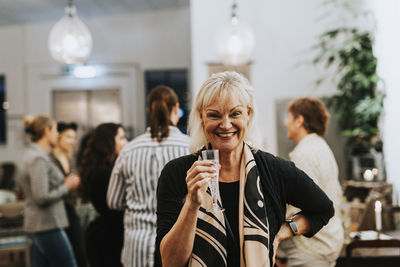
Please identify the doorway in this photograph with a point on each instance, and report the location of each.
(88, 108)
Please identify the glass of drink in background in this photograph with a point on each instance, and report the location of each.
(213, 155)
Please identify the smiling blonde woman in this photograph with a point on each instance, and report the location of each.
(254, 188)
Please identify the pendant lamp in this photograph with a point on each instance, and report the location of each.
(69, 39)
(235, 40)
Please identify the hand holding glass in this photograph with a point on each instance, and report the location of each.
(213, 155)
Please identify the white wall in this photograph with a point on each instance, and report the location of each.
(387, 49)
(12, 66)
(285, 31)
(158, 39)
(150, 40)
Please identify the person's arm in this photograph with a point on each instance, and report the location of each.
(177, 245)
(42, 194)
(285, 232)
(117, 186)
(302, 192)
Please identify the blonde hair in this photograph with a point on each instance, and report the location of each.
(35, 126)
(220, 85)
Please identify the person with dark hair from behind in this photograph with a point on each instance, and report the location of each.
(306, 125)
(61, 155)
(81, 148)
(136, 171)
(45, 187)
(104, 235)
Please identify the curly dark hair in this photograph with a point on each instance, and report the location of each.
(99, 152)
(314, 112)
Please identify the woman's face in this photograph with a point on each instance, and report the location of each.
(120, 140)
(67, 140)
(52, 134)
(225, 123)
(293, 126)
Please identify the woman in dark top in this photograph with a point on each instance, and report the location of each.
(254, 188)
(104, 236)
(61, 155)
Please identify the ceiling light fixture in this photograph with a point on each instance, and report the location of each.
(85, 71)
(69, 39)
(235, 40)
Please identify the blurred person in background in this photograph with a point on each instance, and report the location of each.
(104, 235)
(62, 155)
(307, 125)
(135, 175)
(45, 187)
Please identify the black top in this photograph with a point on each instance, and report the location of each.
(70, 199)
(281, 182)
(230, 201)
(98, 185)
(105, 234)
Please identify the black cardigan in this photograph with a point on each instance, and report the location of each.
(282, 183)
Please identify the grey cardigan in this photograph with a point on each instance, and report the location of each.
(44, 188)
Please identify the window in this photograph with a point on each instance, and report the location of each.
(177, 80)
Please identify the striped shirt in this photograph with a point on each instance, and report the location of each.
(133, 188)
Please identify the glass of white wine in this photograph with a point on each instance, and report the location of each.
(213, 184)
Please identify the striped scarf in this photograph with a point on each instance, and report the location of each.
(210, 244)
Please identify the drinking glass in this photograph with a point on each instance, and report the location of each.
(213, 155)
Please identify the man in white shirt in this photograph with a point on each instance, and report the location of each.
(306, 125)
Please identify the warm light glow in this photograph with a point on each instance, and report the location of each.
(235, 42)
(368, 175)
(69, 43)
(378, 205)
(69, 39)
(6, 105)
(378, 215)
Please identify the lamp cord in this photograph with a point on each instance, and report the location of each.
(234, 8)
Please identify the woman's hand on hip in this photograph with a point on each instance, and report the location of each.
(197, 178)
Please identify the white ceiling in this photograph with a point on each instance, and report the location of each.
(34, 11)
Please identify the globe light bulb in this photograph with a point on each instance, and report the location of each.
(69, 39)
(235, 42)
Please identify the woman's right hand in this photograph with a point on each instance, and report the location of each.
(197, 178)
(72, 181)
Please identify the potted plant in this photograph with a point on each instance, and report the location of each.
(358, 103)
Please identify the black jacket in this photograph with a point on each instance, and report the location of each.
(282, 183)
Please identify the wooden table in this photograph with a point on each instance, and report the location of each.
(372, 256)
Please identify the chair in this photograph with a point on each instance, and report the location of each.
(374, 259)
(7, 175)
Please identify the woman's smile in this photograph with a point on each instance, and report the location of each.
(225, 135)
